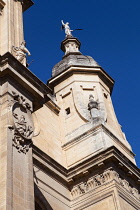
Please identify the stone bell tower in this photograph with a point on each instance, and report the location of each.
(21, 93)
(61, 146)
(84, 89)
(102, 172)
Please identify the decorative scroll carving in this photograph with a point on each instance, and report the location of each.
(21, 100)
(20, 53)
(21, 143)
(101, 179)
(2, 4)
(22, 123)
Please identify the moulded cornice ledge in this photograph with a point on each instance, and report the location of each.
(25, 4)
(2, 4)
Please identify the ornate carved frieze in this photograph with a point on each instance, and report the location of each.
(94, 182)
(2, 4)
(23, 128)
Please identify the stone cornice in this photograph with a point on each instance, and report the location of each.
(109, 158)
(10, 68)
(100, 174)
(52, 82)
(54, 107)
(98, 128)
(108, 177)
(25, 4)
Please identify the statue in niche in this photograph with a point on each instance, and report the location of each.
(20, 52)
(97, 111)
(66, 27)
(93, 107)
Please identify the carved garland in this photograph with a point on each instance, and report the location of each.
(98, 180)
(23, 125)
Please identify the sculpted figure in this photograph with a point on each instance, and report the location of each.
(97, 111)
(93, 106)
(92, 103)
(20, 52)
(67, 28)
(22, 126)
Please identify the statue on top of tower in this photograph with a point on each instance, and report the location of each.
(20, 52)
(67, 29)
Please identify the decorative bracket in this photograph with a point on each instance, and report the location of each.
(2, 4)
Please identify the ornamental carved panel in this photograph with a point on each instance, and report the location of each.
(23, 128)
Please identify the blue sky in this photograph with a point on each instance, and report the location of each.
(111, 36)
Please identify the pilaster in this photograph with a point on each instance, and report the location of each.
(21, 93)
(11, 24)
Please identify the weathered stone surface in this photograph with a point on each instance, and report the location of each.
(58, 149)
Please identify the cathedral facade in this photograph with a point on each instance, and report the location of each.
(61, 146)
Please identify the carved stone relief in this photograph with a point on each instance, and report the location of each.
(20, 53)
(96, 181)
(97, 114)
(21, 100)
(23, 128)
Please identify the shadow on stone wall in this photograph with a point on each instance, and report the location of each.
(40, 201)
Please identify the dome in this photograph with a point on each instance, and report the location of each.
(73, 60)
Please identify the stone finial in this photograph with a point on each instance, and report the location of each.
(2, 4)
